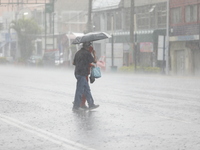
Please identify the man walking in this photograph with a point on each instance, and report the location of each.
(82, 60)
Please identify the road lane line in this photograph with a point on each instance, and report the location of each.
(44, 134)
(39, 134)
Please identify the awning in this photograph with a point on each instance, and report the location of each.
(100, 5)
(141, 37)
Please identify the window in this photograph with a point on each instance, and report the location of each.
(176, 15)
(114, 20)
(82, 17)
(161, 12)
(97, 22)
(118, 21)
(109, 21)
(143, 18)
(126, 19)
(143, 21)
(152, 20)
(191, 13)
(151, 16)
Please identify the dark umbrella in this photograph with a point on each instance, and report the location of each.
(90, 37)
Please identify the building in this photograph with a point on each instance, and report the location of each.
(114, 17)
(58, 26)
(14, 10)
(184, 37)
(7, 46)
(71, 15)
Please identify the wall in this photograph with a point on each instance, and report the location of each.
(176, 3)
(187, 62)
(71, 15)
(185, 41)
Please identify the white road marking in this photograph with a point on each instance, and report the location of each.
(68, 144)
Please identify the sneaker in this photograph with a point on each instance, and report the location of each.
(93, 107)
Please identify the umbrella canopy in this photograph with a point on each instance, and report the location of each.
(90, 37)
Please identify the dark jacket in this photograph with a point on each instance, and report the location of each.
(82, 61)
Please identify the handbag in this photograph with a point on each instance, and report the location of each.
(92, 79)
(96, 72)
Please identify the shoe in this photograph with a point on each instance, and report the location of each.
(93, 107)
(77, 109)
(84, 107)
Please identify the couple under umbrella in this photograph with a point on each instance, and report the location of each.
(82, 61)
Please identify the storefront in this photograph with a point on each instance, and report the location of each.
(185, 54)
(147, 48)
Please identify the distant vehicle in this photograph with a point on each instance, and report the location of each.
(53, 58)
(59, 61)
(102, 63)
(34, 60)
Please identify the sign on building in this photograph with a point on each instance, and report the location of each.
(146, 47)
(160, 53)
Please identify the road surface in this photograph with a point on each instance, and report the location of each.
(137, 112)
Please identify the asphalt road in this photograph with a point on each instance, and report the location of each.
(137, 112)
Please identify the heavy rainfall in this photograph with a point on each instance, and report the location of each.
(148, 93)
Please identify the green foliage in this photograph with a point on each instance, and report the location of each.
(140, 69)
(3, 60)
(26, 29)
(148, 69)
(127, 69)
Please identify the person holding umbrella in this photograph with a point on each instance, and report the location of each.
(82, 60)
(91, 78)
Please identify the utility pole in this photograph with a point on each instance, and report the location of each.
(132, 52)
(167, 40)
(49, 9)
(89, 22)
(53, 3)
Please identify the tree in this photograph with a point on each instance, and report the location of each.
(26, 29)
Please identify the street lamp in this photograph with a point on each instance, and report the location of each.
(25, 13)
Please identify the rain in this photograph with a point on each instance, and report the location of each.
(149, 87)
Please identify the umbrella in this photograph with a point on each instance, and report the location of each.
(90, 37)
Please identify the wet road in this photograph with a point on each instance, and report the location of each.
(137, 112)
